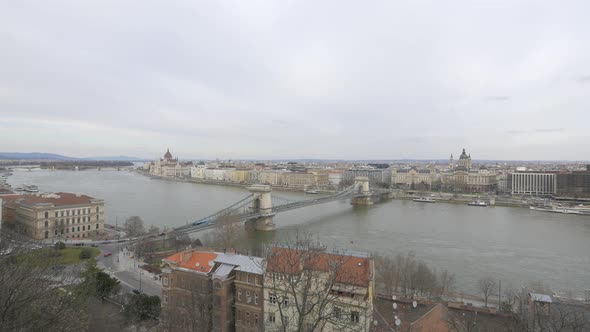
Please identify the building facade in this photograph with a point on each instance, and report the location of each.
(170, 167)
(574, 184)
(211, 291)
(530, 183)
(58, 216)
(318, 291)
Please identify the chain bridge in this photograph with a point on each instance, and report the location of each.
(260, 206)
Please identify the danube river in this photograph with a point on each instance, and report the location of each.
(515, 245)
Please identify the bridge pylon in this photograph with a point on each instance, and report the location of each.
(361, 185)
(262, 203)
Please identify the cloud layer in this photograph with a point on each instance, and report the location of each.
(296, 79)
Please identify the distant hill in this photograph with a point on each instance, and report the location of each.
(33, 156)
(54, 156)
(115, 158)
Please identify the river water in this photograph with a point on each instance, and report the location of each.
(515, 245)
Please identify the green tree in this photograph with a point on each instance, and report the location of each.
(85, 253)
(60, 245)
(105, 285)
(142, 307)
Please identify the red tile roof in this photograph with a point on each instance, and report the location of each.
(62, 199)
(349, 269)
(194, 260)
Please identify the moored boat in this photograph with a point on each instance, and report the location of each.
(424, 200)
(478, 203)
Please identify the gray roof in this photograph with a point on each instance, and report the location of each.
(541, 297)
(244, 263)
(223, 270)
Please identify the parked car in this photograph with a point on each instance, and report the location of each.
(136, 291)
(108, 254)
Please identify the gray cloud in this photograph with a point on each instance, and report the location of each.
(293, 79)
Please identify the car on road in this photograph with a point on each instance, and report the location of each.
(136, 291)
(108, 254)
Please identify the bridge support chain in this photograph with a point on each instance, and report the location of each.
(361, 185)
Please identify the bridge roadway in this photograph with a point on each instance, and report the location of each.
(209, 222)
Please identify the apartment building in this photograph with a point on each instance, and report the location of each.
(58, 216)
(318, 291)
(199, 291)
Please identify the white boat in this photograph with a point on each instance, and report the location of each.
(31, 189)
(555, 209)
(313, 192)
(424, 200)
(478, 203)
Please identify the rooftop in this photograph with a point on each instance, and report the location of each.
(57, 199)
(199, 261)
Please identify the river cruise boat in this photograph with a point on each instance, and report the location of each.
(424, 200)
(556, 209)
(478, 203)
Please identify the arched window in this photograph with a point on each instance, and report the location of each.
(46, 214)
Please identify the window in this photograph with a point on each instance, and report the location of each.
(165, 298)
(256, 280)
(256, 298)
(46, 234)
(97, 209)
(165, 281)
(46, 215)
(354, 316)
(73, 229)
(255, 319)
(68, 213)
(248, 318)
(272, 318)
(61, 222)
(286, 302)
(248, 298)
(67, 230)
(248, 278)
(272, 298)
(83, 228)
(56, 214)
(56, 232)
(61, 213)
(96, 226)
(96, 217)
(239, 295)
(46, 223)
(337, 313)
(78, 228)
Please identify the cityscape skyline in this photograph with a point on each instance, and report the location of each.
(251, 82)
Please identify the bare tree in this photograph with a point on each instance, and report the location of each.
(227, 231)
(562, 317)
(153, 229)
(36, 294)
(134, 226)
(487, 286)
(309, 288)
(190, 310)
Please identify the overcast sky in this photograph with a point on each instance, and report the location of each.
(296, 79)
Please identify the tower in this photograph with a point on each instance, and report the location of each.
(451, 162)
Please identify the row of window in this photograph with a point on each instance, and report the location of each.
(77, 235)
(74, 212)
(67, 221)
(247, 318)
(249, 299)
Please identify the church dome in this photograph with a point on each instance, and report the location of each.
(463, 155)
(168, 155)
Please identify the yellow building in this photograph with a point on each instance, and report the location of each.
(58, 216)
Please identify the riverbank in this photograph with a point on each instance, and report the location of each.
(224, 183)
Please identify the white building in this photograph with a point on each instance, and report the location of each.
(528, 183)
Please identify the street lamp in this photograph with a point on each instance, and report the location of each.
(140, 273)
